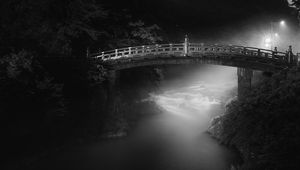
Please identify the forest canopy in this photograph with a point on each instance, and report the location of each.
(68, 27)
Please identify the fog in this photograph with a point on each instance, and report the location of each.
(194, 96)
(173, 139)
(189, 100)
(253, 32)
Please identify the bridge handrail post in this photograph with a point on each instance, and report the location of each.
(230, 49)
(258, 53)
(129, 51)
(291, 56)
(282, 59)
(143, 49)
(116, 52)
(186, 45)
(170, 48)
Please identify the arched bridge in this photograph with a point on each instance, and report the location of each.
(246, 59)
(183, 53)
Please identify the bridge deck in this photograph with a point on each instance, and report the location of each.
(191, 52)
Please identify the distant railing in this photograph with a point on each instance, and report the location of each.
(190, 49)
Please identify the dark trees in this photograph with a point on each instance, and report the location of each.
(31, 101)
(124, 30)
(265, 125)
(68, 27)
(49, 26)
(296, 5)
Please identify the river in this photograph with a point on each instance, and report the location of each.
(172, 140)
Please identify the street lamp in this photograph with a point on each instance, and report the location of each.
(282, 23)
(273, 34)
(267, 42)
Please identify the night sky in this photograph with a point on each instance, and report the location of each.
(208, 18)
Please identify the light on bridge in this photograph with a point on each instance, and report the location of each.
(267, 42)
(282, 23)
(273, 38)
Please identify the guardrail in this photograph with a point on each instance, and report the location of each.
(189, 49)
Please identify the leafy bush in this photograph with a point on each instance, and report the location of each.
(29, 98)
(265, 126)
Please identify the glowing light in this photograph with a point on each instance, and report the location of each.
(282, 23)
(267, 45)
(276, 35)
(268, 40)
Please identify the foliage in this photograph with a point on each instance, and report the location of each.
(96, 74)
(296, 5)
(265, 126)
(29, 97)
(69, 27)
(124, 30)
(146, 33)
(48, 25)
(133, 34)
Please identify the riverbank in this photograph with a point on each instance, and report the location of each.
(265, 125)
(56, 110)
(162, 142)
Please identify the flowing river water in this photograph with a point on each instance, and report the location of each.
(173, 140)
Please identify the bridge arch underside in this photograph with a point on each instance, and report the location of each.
(240, 61)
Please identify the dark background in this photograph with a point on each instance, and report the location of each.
(207, 19)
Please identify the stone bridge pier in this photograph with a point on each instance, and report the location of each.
(244, 81)
(115, 124)
(113, 92)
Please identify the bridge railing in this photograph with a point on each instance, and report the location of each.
(140, 51)
(192, 50)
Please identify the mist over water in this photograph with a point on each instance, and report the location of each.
(174, 139)
(188, 107)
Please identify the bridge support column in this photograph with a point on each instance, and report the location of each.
(244, 81)
(115, 122)
(112, 91)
